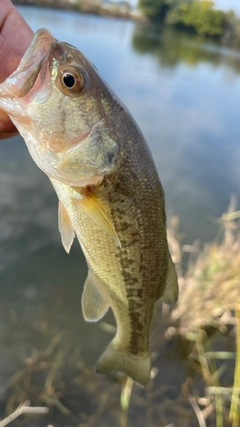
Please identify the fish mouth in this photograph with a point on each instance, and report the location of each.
(38, 48)
(31, 66)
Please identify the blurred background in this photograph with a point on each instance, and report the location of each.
(176, 66)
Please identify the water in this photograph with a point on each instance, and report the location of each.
(185, 95)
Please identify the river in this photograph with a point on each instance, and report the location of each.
(185, 95)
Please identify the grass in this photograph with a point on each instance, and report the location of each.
(234, 414)
(208, 309)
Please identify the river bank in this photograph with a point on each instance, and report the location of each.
(120, 9)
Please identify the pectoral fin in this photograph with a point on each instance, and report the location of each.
(93, 305)
(65, 227)
(96, 212)
(171, 288)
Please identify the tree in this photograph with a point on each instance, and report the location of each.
(155, 10)
(202, 16)
(199, 15)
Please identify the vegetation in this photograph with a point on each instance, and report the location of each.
(121, 9)
(200, 16)
(231, 34)
(210, 289)
(156, 10)
(197, 15)
(208, 310)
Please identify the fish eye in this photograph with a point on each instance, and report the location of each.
(71, 81)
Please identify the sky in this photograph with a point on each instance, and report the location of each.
(228, 4)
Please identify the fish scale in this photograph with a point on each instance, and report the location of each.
(109, 192)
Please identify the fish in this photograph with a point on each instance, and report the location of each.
(110, 197)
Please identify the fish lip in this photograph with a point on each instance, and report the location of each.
(22, 81)
(39, 47)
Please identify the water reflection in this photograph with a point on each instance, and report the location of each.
(193, 127)
(172, 48)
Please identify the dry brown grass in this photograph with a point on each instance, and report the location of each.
(210, 289)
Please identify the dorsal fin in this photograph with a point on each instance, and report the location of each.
(65, 227)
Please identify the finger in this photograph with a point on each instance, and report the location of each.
(13, 27)
(15, 37)
(9, 59)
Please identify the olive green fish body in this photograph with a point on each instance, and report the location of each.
(132, 277)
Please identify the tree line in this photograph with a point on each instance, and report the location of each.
(198, 16)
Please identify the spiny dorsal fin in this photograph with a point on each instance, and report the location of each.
(93, 305)
(171, 288)
(65, 227)
(96, 212)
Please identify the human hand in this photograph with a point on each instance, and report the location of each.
(15, 37)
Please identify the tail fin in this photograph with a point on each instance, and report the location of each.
(134, 366)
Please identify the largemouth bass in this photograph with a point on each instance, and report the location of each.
(81, 135)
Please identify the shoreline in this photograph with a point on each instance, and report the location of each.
(94, 7)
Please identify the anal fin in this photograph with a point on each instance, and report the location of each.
(93, 305)
(171, 287)
(65, 227)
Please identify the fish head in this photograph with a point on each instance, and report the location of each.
(61, 106)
